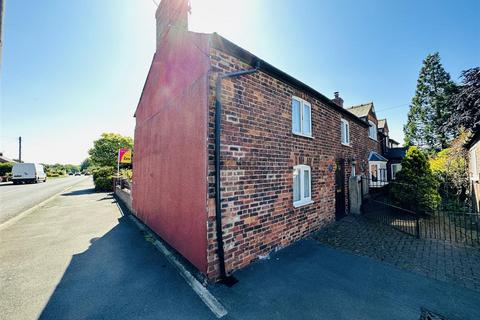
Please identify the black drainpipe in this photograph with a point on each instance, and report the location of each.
(218, 197)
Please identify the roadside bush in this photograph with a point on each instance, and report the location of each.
(127, 174)
(6, 168)
(416, 187)
(103, 178)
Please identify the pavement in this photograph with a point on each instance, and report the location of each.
(77, 257)
(14, 199)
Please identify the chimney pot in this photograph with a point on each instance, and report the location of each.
(337, 100)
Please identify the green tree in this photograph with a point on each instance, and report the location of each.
(105, 149)
(466, 103)
(431, 107)
(415, 187)
(87, 163)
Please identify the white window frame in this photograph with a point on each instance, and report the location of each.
(302, 131)
(380, 172)
(345, 132)
(303, 200)
(372, 130)
(393, 171)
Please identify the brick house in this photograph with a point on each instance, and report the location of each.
(234, 157)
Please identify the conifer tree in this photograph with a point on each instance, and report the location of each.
(431, 107)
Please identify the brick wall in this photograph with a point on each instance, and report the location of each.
(258, 154)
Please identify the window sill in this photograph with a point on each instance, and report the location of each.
(299, 204)
(346, 144)
(302, 135)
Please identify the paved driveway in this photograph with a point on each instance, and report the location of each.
(311, 281)
(436, 259)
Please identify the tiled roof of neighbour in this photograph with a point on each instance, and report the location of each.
(225, 45)
(376, 157)
(396, 153)
(381, 123)
(394, 141)
(361, 110)
(5, 159)
(473, 139)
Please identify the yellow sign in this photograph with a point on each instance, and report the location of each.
(125, 156)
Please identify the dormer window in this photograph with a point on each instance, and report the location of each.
(372, 130)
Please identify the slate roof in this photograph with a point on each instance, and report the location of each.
(361, 110)
(396, 153)
(376, 157)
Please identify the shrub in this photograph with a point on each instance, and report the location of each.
(127, 174)
(415, 187)
(103, 178)
(6, 168)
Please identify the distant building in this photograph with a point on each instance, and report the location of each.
(4, 159)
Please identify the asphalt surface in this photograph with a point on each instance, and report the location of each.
(14, 199)
(77, 257)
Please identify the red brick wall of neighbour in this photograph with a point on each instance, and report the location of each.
(259, 152)
(170, 166)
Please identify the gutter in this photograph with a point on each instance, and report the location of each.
(229, 281)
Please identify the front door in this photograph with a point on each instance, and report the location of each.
(340, 190)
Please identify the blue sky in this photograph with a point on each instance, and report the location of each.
(74, 69)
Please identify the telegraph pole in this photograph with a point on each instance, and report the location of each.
(20, 149)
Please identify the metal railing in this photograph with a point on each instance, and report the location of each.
(461, 226)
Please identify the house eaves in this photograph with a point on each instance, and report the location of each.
(222, 44)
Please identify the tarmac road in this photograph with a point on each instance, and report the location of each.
(15, 199)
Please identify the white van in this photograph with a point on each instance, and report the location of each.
(28, 172)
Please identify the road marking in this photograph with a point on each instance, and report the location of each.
(210, 301)
(35, 207)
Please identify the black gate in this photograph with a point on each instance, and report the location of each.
(461, 226)
(340, 190)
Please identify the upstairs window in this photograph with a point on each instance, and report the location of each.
(372, 130)
(302, 182)
(345, 132)
(301, 117)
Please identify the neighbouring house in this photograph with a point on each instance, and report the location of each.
(235, 158)
(4, 159)
(473, 147)
(394, 165)
(377, 164)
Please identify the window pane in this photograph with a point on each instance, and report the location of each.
(296, 115)
(342, 130)
(296, 185)
(306, 184)
(347, 133)
(307, 123)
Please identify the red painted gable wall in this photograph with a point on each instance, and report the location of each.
(170, 167)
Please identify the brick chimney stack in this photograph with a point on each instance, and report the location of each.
(171, 14)
(337, 99)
